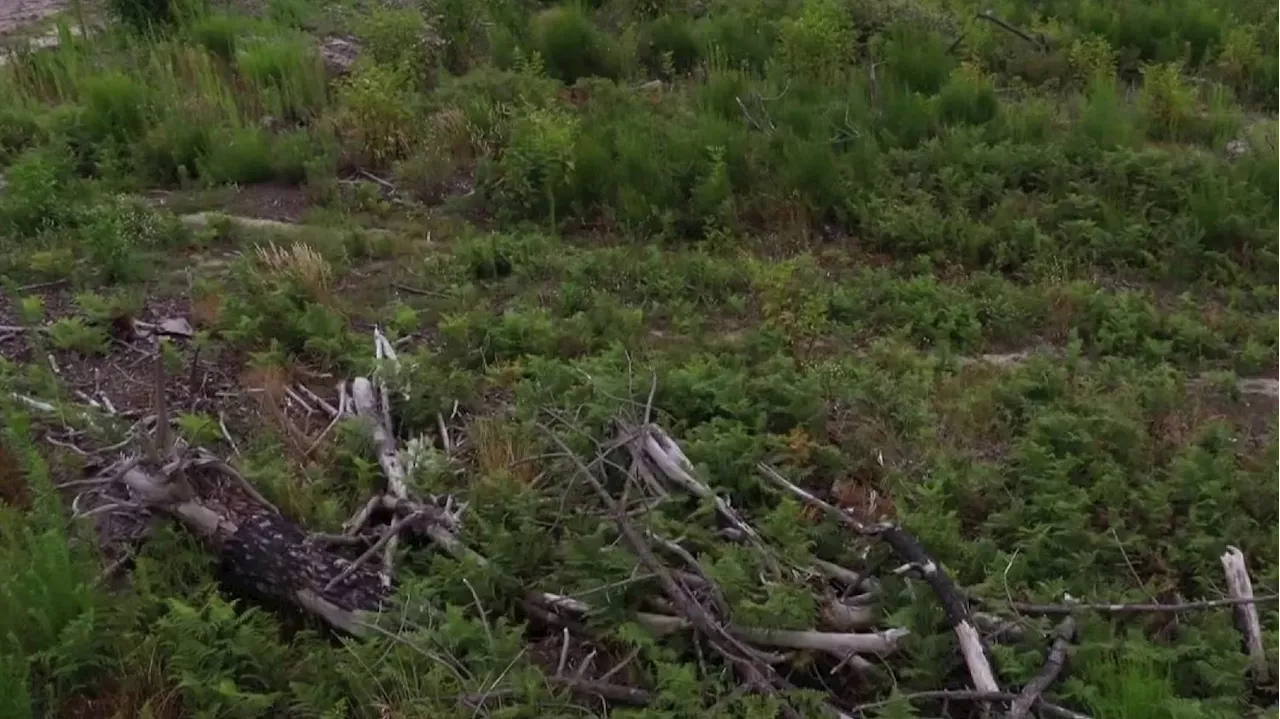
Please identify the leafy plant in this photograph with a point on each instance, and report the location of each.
(71, 333)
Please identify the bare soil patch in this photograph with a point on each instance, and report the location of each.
(17, 14)
(267, 201)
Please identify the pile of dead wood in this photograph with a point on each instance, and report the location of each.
(347, 580)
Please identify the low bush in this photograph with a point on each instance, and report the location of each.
(571, 46)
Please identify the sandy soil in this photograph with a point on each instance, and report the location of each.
(16, 14)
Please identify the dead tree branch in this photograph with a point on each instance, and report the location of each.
(754, 671)
(909, 550)
(1240, 587)
(1051, 610)
(968, 695)
(1063, 636)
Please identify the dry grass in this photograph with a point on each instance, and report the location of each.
(504, 447)
(449, 128)
(267, 384)
(300, 263)
(206, 309)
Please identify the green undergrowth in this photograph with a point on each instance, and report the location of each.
(800, 224)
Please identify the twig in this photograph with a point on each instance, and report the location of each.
(755, 672)
(320, 401)
(990, 16)
(648, 404)
(1030, 693)
(366, 407)
(342, 539)
(162, 413)
(337, 417)
(385, 183)
(418, 291)
(1239, 586)
(88, 400)
(484, 617)
(288, 391)
(909, 550)
(226, 433)
(673, 463)
(970, 695)
(105, 508)
(564, 653)
(112, 569)
(34, 403)
(65, 445)
(210, 461)
(445, 443)
(717, 598)
(1058, 610)
(615, 693)
(392, 531)
(631, 656)
(357, 522)
(43, 285)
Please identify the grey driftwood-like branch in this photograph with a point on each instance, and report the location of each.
(1045, 708)
(753, 670)
(1240, 587)
(1061, 610)
(909, 551)
(265, 554)
(1064, 634)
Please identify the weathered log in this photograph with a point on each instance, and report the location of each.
(262, 553)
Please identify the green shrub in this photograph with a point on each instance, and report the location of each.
(427, 173)
(668, 46)
(731, 39)
(237, 156)
(294, 151)
(71, 333)
(218, 33)
(571, 46)
(396, 36)
(287, 73)
(19, 129)
(171, 151)
(462, 26)
(968, 98)
(907, 118)
(1166, 100)
(536, 171)
(115, 106)
(917, 58)
(290, 13)
(1106, 119)
(375, 113)
(818, 42)
(38, 194)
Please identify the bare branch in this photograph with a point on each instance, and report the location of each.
(1057, 658)
(909, 550)
(673, 463)
(385, 539)
(1239, 586)
(226, 434)
(362, 395)
(446, 443)
(1045, 708)
(1051, 610)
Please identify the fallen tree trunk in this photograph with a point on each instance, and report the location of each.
(262, 553)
